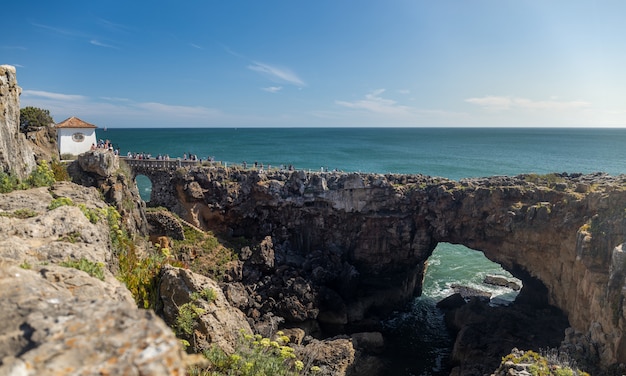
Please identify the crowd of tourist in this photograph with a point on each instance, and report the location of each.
(105, 145)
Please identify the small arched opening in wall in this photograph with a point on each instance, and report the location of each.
(144, 185)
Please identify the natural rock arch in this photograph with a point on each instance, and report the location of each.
(563, 230)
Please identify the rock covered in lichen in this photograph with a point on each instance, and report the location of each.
(61, 320)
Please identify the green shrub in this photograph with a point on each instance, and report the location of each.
(20, 213)
(186, 319)
(93, 215)
(42, 176)
(94, 269)
(25, 213)
(256, 356)
(8, 182)
(60, 201)
(549, 363)
(59, 171)
(139, 274)
(71, 237)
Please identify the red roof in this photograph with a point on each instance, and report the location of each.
(74, 122)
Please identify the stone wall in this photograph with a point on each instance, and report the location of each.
(16, 155)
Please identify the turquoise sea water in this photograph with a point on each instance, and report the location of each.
(452, 153)
(448, 152)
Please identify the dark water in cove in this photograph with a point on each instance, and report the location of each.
(452, 153)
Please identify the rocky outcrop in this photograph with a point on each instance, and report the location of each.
(218, 324)
(102, 169)
(164, 223)
(61, 320)
(44, 143)
(559, 233)
(16, 156)
(57, 322)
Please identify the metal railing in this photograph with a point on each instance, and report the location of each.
(158, 164)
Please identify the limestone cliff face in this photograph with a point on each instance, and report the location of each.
(560, 232)
(16, 155)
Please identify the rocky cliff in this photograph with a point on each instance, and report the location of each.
(16, 155)
(358, 242)
(61, 320)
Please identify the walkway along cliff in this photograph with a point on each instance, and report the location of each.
(365, 238)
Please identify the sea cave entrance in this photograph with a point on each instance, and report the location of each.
(145, 187)
(455, 268)
(418, 338)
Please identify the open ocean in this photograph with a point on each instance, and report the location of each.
(453, 153)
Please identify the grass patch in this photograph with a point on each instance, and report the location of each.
(209, 256)
(20, 213)
(71, 237)
(94, 269)
(60, 201)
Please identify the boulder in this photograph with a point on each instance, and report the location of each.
(101, 162)
(333, 356)
(498, 280)
(71, 326)
(218, 323)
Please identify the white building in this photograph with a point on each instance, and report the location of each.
(75, 136)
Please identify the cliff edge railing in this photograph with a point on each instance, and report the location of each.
(146, 166)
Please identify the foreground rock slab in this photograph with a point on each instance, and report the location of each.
(48, 330)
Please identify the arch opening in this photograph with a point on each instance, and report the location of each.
(420, 337)
(144, 185)
(455, 268)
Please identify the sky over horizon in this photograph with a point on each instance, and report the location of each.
(398, 63)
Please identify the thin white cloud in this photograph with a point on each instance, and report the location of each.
(502, 103)
(373, 102)
(277, 73)
(196, 46)
(115, 99)
(13, 48)
(183, 111)
(96, 42)
(53, 96)
(123, 110)
(110, 25)
(59, 30)
(273, 89)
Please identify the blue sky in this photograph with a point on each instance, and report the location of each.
(274, 63)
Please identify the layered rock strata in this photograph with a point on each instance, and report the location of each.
(359, 241)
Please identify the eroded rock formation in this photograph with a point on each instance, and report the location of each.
(372, 234)
(16, 156)
(102, 169)
(60, 320)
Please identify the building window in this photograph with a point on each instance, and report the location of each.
(78, 137)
